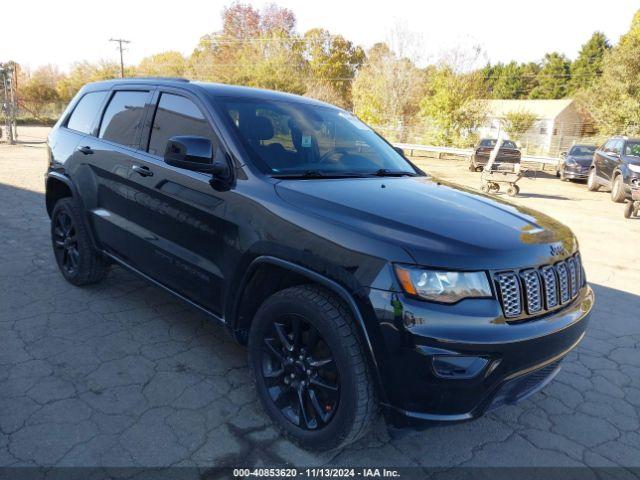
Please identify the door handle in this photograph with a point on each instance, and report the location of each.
(142, 170)
(86, 149)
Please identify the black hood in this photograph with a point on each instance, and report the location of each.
(584, 161)
(440, 225)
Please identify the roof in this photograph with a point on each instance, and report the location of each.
(543, 109)
(214, 89)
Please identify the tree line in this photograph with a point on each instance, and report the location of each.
(443, 103)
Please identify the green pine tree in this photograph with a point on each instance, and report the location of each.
(588, 66)
(553, 78)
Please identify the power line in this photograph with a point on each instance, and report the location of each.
(120, 41)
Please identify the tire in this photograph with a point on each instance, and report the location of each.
(352, 408)
(592, 184)
(79, 263)
(563, 178)
(628, 210)
(617, 189)
(513, 190)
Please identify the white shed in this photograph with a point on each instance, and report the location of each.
(559, 123)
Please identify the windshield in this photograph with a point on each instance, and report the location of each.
(632, 149)
(582, 151)
(290, 138)
(492, 143)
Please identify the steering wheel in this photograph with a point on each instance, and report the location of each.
(327, 156)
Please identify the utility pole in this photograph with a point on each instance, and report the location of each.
(9, 106)
(121, 48)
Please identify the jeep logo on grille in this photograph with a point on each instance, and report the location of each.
(557, 250)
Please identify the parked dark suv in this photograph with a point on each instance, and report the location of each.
(358, 282)
(507, 153)
(615, 165)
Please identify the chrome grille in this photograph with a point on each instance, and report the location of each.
(533, 290)
(579, 271)
(563, 277)
(550, 286)
(573, 276)
(510, 292)
(533, 295)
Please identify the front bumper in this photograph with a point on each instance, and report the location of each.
(576, 172)
(516, 359)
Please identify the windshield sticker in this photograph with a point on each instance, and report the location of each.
(306, 141)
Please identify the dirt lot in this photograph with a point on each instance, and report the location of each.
(122, 374)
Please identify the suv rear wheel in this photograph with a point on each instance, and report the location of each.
(617, 189)
(592, 183)
(78, 261)
(310, 368)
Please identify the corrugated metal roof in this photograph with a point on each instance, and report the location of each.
(543, 109)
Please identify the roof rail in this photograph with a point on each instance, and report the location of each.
(172, 79)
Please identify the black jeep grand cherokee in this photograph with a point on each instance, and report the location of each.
(358, 282)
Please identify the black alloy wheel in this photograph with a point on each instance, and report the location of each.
(65, 243)
(312, 373)
(300, 372)
(79, 262)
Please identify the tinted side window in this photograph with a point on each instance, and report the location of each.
(122, 119)
(608, 147)
(618, 146)
(84, 114)
(174, 116)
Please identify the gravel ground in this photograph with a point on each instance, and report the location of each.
(122, 374)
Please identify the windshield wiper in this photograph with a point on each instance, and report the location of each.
(385, 172)
(318, 174)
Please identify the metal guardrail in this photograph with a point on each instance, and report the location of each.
(467, 152)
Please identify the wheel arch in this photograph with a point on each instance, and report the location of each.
(59, 186)
(239, 322)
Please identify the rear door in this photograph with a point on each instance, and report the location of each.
(610, 159)
(178, 213)
(111, 155)
(77, 125)
(599, 158)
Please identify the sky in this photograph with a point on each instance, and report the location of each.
(63, 32)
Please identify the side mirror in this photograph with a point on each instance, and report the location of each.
(190, 153)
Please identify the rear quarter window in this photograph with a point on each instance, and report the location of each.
(85, 112)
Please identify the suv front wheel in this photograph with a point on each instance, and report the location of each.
(310, 368)
(78, 261)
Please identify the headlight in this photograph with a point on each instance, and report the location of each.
(570, 161)
(634, 168)
(440, 286)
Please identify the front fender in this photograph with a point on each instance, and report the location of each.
(356, 301)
